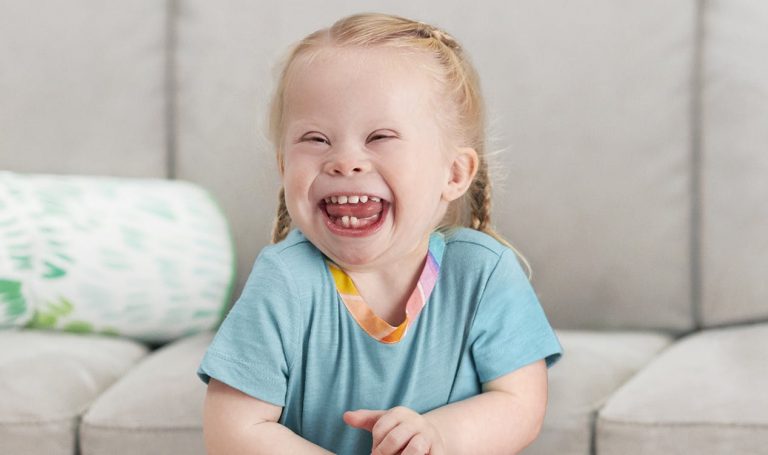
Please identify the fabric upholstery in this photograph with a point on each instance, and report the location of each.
(82, 87)
(706, 394)
(593, 366)
(154, 409)
(593, 181)
(48, 380)
(594, 134)
(734, 128)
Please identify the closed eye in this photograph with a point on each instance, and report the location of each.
(380, 136)
(315, 138)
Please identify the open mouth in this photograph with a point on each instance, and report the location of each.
(354, 214)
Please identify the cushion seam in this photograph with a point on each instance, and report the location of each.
(685, 424)
(39, 422)
(87, 425)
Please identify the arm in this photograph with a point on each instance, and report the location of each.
(236, 423)
(505, 418)
(509, 326)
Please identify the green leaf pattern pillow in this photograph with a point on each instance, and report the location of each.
(17, 252)
(147, 259)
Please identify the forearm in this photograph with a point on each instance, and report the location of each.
(489, 423)
(236, 423)
(262, 438)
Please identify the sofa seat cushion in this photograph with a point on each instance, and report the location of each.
(706, 395)
(156, 408)
(48, 380)
(593, 366)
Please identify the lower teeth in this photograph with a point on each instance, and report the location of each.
(353, 222)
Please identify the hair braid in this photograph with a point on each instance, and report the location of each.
(430, 31)
(480, 199)
(480, 207)
(282, 221)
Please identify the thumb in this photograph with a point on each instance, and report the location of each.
(364, 419)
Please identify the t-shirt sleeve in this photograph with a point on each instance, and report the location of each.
(510, 329)
(254, 346)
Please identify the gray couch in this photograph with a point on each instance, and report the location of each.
(632, 170)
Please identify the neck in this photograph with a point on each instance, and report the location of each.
(386, 290)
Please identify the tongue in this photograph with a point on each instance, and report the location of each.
(360, 210)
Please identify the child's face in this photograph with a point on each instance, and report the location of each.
(361, 127)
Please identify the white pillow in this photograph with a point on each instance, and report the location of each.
(142, 258)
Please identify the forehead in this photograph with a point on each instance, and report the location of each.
(384, 77)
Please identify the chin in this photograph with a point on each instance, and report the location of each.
(351, 259)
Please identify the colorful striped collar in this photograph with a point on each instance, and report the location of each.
(376, 327)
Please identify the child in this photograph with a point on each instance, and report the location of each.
(392, 319)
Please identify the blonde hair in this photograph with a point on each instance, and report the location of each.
(462, 88)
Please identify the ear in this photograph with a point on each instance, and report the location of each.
(462, 172)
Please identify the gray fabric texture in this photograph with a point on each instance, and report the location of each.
(593, 177)
(154, 409)
(82, 87)
(594, 181)
(593, 366)
(706, 394)
(735, 162)
(48, 380)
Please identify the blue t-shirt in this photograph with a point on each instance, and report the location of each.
(290, 340)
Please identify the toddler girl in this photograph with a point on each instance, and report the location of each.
(392, 319)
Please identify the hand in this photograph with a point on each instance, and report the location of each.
(398, 431)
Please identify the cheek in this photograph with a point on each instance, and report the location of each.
(295, 191)
(295, 168)
(297, 181)
(418, 190)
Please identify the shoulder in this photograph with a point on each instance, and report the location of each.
(470, 252)
(467, 237)
(289, 266)
(295, 253)
(472, 245)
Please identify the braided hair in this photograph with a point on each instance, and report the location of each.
(282, 223)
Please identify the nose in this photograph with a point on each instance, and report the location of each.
(347, 162)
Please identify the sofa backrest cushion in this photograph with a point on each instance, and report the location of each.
(592, 102)
(82, 87)
(734, 131)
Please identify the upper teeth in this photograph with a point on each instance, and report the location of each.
(354, 199)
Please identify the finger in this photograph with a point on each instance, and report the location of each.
(394, 441)
(391, 419)
(364, 419)
(418, 445)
